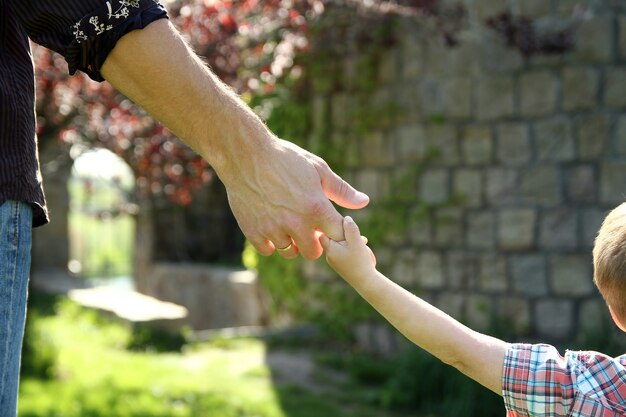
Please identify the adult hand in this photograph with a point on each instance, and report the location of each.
(278, 192)
(280, 199)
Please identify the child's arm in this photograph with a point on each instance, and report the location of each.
(478, 356)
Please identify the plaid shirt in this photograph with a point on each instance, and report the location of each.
(539, 382)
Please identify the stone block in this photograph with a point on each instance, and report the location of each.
(592, 135)
(457, 97)
(442, 141)
(389, 66)
(375, 338)
(407, 103)
(516, 228)
(513, 144)
(555, 319)
(492, 274)
(541, 185)
(319, 110)
(215, 297)
(434, 186)
(403, 270)
(497, 57)
(452, 304)
(615, 88)
(533, 8)
(430, 274)
(529, 274)
(341, 105)
(420, 229)
(558, 229)
(441, 60)
(448, 227)
(411, 143)
(485, 9)
(594, 40)
(495, 98)
(539, 93)
(593, 314)
(477, 145)
(479, 311)
(377, 150)
(554, 140)
(462, 270)
(480, 230)
(572, 275)
(566, 8)
(581, 184)
(612, 182)
(514, 314)
(413, 58)
(430, 92)
(371, 182)
(620, 136)
(467, 185)
(580, 88)
(591, 220)
(501, 186)
(622, 37)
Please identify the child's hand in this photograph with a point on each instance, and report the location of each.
(350, 258)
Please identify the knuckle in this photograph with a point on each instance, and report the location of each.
(317, 207)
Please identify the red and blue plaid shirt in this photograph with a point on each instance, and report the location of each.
(537, 381)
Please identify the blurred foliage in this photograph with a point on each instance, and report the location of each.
(80, 363)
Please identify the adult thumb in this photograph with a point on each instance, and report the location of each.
(339, 191)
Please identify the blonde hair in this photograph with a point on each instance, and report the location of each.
(609, 261)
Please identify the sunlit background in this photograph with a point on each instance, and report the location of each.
(490, 136)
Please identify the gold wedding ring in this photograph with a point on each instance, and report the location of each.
(285, 249)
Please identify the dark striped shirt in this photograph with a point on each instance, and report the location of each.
(84, 32)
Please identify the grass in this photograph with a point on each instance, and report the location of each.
(78, 363)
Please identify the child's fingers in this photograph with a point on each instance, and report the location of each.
(351, 230)
(324, 241)
(364, 240)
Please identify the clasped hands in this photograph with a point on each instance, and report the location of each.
(281, 198)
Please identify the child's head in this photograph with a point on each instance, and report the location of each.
(609, 262)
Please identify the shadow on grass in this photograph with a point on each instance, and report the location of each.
(409, 384)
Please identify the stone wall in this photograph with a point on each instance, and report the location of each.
(521, 157)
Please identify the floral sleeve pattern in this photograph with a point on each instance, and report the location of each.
(84, 31)
(113, 13)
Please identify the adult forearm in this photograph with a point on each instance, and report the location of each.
(278, 192)
(476, 355)
(155, 68)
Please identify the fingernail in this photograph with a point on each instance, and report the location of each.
(349, 219)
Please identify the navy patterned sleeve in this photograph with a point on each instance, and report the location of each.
(84, 31)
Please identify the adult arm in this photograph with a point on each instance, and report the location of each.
(278, 192)
(478, 356)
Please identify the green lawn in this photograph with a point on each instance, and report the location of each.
(79, 364)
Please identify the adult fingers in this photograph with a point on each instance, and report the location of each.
(308, 244)
(287, 250)
(263, 246)
(326, 218)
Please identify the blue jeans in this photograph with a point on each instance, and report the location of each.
(16, 223)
